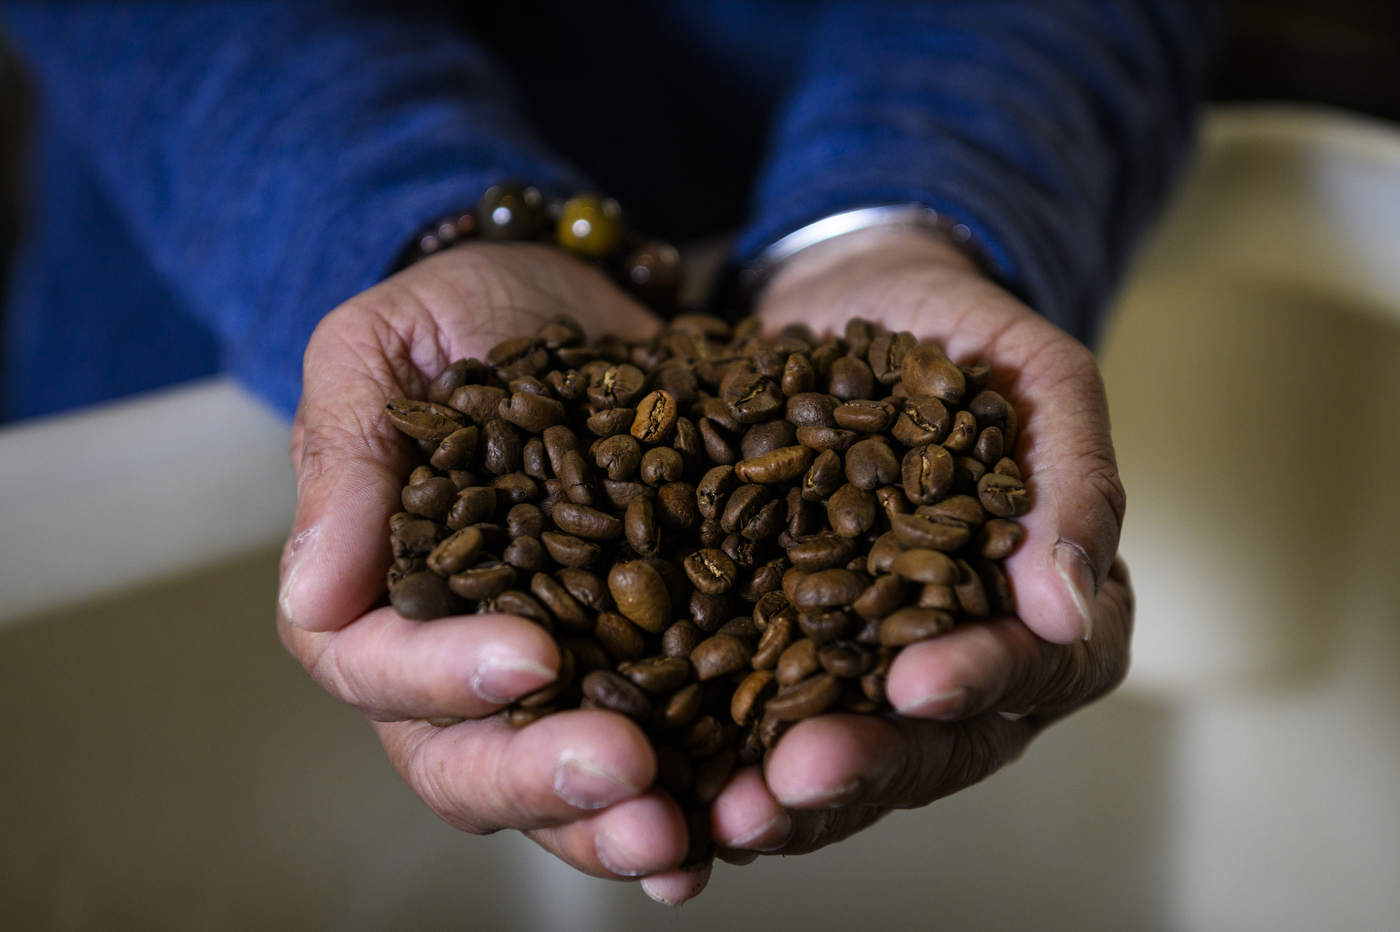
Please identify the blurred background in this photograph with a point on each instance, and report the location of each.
(164, 765)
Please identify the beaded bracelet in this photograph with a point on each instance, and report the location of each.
(586, 225)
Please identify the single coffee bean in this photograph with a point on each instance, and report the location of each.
(988, 448)
(682, 708)
(913, 624)
(823, 439)
(767, 523)
(516, 358)
(687, 441)
(970, 593)
(534, 462)
(713, 492)
(676, 507)
(811, 409)
(720, 415)
(924, 420)
(712, 571)
(424, 596)
(641, 595)
(751, 396)
(812, 696)
(753, 692)
(743, 503)
(882, 553)
(887, 353)
(462, 372)
(480, 403)
(578, 479)
(703, 737)
(502, 447)
(998, 539)
(720, 655)
(639, 524)
(1006, 466)
(656, 418)
(456, 553)
(526, 554)
(871, 463)
(821, 626)
(939, 596)
(564, 607)
(531, 412)
(569, 550)
(823, 478)
(486, 580)
(827, 589)
(821, 551)
(585, 522)
(622, 639)
(782, 465)
(457, 449)
(558, 441)
(617, 387)
(1003, 496)
(850, 378)
(940, 533)
(797, 663)
(851, 511)
(524, 520)
(845, 659)
(657, 674)
(515, 602)
(927, 473)
(767, 437)
(514, 488)
(661, 465)
(423, 420)
(710, 611)
(776, 638)
(432, 499)
(881, 597)
(927, 371)
(741, 627)
(967, 472)
(681, 638)
(616, 694)
(612, 422)
(962, 435)
(925, 566)
(798, 375)
(619, 455)
(766, 578)
(865, 416)
(964, 508)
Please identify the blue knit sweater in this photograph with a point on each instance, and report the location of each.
(206, 181)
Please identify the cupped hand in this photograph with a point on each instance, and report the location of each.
(971, 700)
(577, 782)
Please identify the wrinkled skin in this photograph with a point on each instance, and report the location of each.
(578, 782)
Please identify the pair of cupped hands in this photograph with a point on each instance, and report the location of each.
(580, 782)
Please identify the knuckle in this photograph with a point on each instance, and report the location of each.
(437, 785)
(978, 750)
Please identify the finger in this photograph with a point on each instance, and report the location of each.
(746, 816)
(1001, 665)
(676, 887)
(635, 838)
(485, 776)
(392, 669)
(838, 761)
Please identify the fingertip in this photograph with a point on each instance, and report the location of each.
(830, 760)
(642, 836)
(746, 815)
(674, 888)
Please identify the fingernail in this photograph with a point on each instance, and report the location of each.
(1013, 716)
(588, 786)
(938, 706)
(291, 597)
(500, 680)
(618, 859)
(1072, 563)
(777, 831)
(825, 799)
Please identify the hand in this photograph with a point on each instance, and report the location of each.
(833, 775)
(576, 782)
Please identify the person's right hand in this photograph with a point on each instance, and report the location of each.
(576, 782)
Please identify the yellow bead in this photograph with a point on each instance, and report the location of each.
(591, 225)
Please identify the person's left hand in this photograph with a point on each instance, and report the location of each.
(971, 700)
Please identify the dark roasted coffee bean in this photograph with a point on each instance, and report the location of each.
(464, 478)
(423, 420)
(812, 696)
(526, 554)
(493, 536)
(424, 596)
(925, 566)
(767, 437)
(456, 553)
(802, 516)
(617, 387)
(564, 607)
(516, 357)
(976, 375)
(970, 593)
(821, 626)
(1006, 466)
(944, 534)
(569, 550)
(823, 478)
(741, 627)
(750, 696)
(743, 503)
(798, 375)
(719, 655)
(619, 455)
(683, 707)
(1003, 496)
(711, 534)
(924, 420)
(619, 636)
(515, 602)
(713, 491)
(558, 441)
(710, 612)
(776, 639)
(569, 387)
(718, 445)
(701, 738)
(744, 552)
(612, 422)
(964, 508)
(484, 581)
(712, 571)
(640, 526)
(588, 654)
(967, 472)
(462, 372)
(656, 418)
(681, 638)
(882, 553)
(421, 474)
(502, 447)
(998, 539)
(827, 589)
(926, 370)
(586, 587)
(865, 416)
(871, 463)
(781, 465)
(988, 448)
(927, 473)
(657, 674)
(616, 694)
(531, 412)
(481, 403)
(533, 460)
(797, 663)
(751, 396)
(687, 441)
(641, 595)
(432, 499)
(765, 578)
(913, 624)
(821, 551)
(887, 353)
(850, 378)
(851, 511)
(622, 494)
(457, 449)
(661, 465)
(768, 607)
(585, 522)
(892, 500)
(579, 482)
(767, 523)
(524, 520)
(811, 409)
(514, 488)
(676, 508)
(823, 439)
(962, 435)
(881, 597)
(845, 659)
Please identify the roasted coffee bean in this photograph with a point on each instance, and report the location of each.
(421, 474)
(823, 439)
(683, 707)
(713, 492)
(531, 412)
(798, 375)
(423, 420)
(743, 503)
(480, 403)
(751, 396)
(462, 372)
(433, 499)
(711, 534)
(812, 696)
(569, 550)
(925, 566)
(887, 353)
(502, 447)
(767, 607)
(619, 636)
(811, 409)
(687, 441)
(516, 357)
(927, 473)
(881, 597)
(622, 494)
(617, 387)
(924, 420)
(674, 772)
(940, 533)
(741, 627)
(850, 378)
(1003, 496)
(641, 595)
(926, 370)
(827, 589)
(534, 462)
(616, 694)
(640, 526)
(776, 638)
(865, 416)
(1006, 466)
(612, 422)
(486, 580)
(851, 511)
(564, 607)
(661, 465)
(514, 488)
(676, 507)
(767, 523)
(710, 611)
(988, 448)
(578, 479)
(456, 449)
(711, 774)
(456, 553)
(681, 638)
(781, 465)
(913, 624)
(827, 626)
(569, 387)
(524, 520)
(656, 418)
(590, 591)
(703, 737)
(712, 571)
(765, 438)
(558, 441)
(720, 415)
(765, 578)
(424, 596)
(892, 500)
(585, 522)
(970, 593)
(845, 659)
(939, 596)
(882, 553)
(964, 508)
(515, 602)
(821, 551)
(998, 539)
(526, 554)
(871, 463)
(967, 472)
(1000, 600)
(720, 655)
(657, 674)
(797, 663)
(619, 455)
(750, 696)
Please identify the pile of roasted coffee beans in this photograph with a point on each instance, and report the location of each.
(725, 533)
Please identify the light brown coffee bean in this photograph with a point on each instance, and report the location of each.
(925, 566)
(882, 553)
(939, 596)
(887, 353)
(823, 439)
(641, 595)
(456, 553)
(927, 371)
(655, 421)
(781, 465)
(776, 638)
(749, 698)
(913, 624)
